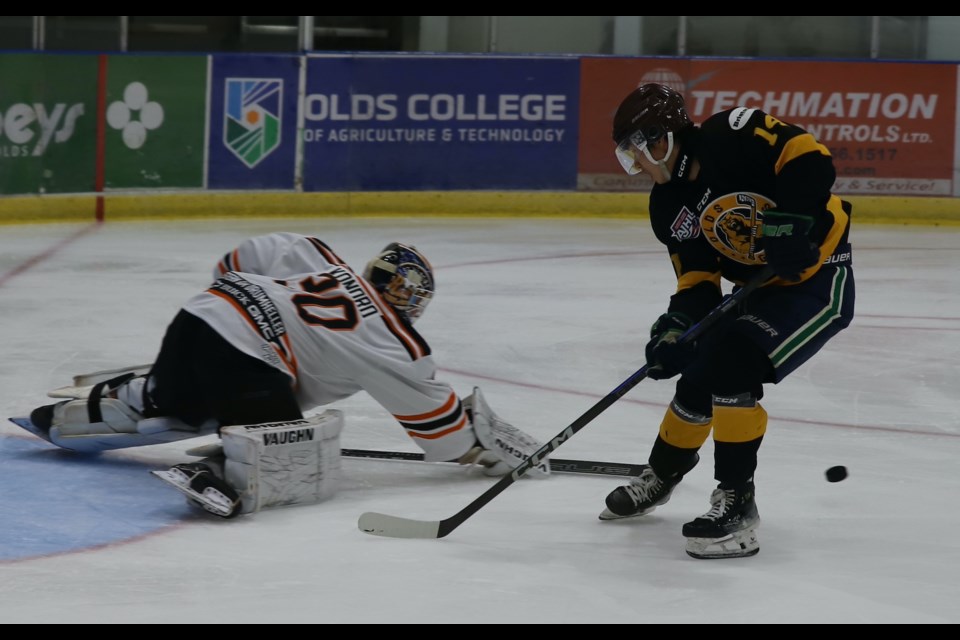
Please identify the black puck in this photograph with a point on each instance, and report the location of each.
(836, 474)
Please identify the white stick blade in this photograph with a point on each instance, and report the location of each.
(381, 524)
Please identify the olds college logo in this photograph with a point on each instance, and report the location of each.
(732, 224)
(252, 117)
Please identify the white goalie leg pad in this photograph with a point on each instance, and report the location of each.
(278, 464)
(120, 427)
(508, 443)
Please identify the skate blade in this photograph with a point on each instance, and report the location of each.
(741, 544)
(27, 424)
(210, 500)
(607, 515)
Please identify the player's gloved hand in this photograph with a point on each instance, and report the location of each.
(786, 246)
(665, 356)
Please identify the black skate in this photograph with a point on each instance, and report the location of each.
(729, 529)
(203, 488)
(42, 418)
(645, 493)
(39, 422)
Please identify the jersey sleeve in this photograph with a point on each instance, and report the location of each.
(278, 255)
(428, 409)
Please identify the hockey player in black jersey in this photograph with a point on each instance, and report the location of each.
(741, 191)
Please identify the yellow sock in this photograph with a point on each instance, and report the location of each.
(684, 429)
(739, 424)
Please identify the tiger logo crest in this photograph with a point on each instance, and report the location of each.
(733, 223)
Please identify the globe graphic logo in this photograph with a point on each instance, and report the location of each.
(666, 77)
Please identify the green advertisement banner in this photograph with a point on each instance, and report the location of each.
(47, 123)
(155, 122)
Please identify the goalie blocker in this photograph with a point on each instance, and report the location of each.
(274, 464)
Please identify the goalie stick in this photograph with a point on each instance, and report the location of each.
(381, 524)
(588, 467)
(557, 465)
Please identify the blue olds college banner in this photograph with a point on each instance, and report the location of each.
(440, 123)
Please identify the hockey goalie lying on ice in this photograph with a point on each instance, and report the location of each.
(286, 328)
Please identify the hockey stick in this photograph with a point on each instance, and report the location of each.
(557, 465)
(380, 524)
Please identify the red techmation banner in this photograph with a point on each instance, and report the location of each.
(889, 126)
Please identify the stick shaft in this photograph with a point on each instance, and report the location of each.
(391, 526)
(557, 465)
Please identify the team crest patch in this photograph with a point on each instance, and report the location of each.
(252, 118)
(685, 226)
(732, 225)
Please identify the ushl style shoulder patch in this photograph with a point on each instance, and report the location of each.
(685, 226)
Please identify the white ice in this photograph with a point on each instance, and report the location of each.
(548, 316)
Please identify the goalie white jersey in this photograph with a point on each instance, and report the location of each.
(279, 255)
(290, 301)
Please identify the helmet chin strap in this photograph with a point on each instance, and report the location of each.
(662, 163)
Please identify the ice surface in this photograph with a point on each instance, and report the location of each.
(547, 316)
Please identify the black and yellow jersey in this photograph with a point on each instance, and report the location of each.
(749, 162)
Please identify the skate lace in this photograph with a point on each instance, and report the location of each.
(722, 500)
(645, 486)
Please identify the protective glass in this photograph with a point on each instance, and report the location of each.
(409, 290)
(632, 146)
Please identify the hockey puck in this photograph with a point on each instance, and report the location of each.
(836, 474)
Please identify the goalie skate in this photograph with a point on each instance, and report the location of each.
(27, 424)
(202, 488)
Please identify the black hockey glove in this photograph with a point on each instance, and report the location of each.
(788, 250)
(665, 356)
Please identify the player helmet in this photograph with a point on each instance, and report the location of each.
(647, 114)
(404, 278)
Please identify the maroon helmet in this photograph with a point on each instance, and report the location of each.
(648, 113)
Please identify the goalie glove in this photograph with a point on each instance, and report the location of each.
(501, 446)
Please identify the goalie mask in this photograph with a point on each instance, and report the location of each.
(646, 115)
(403, 277)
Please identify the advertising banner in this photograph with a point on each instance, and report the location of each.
(253, 122)
(440, 122)
(155, 121)
(47, 123)
(889, 126)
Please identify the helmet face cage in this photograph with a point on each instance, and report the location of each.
(647, 114)
(404, 278)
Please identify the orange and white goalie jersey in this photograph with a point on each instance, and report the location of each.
(312, 317)
(278, 255)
